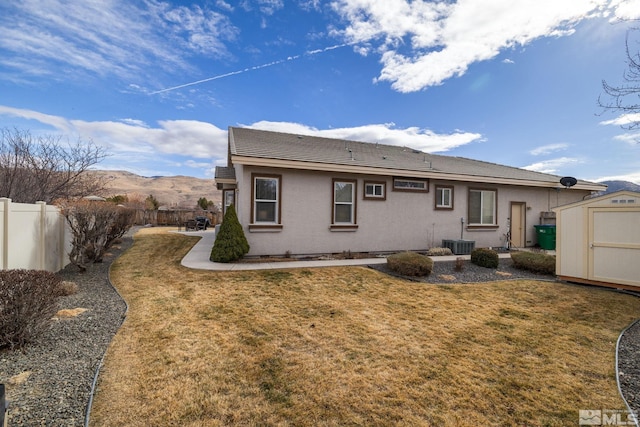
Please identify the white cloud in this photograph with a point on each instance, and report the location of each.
(549, 148)
(626, 9)
(631, 177)
(553, 166)
(629, 138)
(424, 43)
(54, 121)
(414, 137)
(117, 37)
(508, 61)
(131, 137)
(623, 120)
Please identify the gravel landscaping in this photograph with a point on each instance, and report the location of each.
(49, 381)
(444, 272)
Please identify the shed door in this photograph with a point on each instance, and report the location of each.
(614, 245)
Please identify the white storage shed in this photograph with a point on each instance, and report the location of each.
(598, 241)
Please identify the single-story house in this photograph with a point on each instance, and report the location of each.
(306, 195)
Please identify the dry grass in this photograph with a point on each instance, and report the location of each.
(350, 346)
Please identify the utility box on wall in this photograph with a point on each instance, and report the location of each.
(459, 247)
(598, 240)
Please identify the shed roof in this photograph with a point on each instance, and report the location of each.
(621, 198)
(277, 149)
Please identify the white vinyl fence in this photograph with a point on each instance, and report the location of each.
(33, 237)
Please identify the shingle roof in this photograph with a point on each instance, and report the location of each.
(260, 144)
(227, 173)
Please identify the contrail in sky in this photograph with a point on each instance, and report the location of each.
(257, 67)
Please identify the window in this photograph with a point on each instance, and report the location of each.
(482, 207)
(344, 202)
(444, 197)
(374, 190)
(229, 199)
(410, 184)
(266, 199)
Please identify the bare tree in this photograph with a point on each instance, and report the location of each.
(45, 168)
(625, 98)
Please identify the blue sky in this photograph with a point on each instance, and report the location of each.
(157, 83)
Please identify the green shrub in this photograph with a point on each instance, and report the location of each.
(439, 252)
(410, 264)
(485, 258)
(28, 301)
(231, 243)
(534, 262)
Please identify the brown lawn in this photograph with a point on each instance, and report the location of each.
(350, 346)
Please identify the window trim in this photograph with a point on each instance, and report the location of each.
(354, 203)
(255, 225)
(382, 184)
(437, 204)
(425, 182)
(225, 192)
(471, 225)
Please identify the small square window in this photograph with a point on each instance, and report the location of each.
(374, 190)
(444, 197)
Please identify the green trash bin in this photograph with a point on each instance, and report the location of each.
(546, 236)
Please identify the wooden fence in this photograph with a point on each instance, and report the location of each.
(172, 217)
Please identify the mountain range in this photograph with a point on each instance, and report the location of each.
(171, 191)
(614, 186)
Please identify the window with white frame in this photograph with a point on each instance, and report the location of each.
(444, 197)
(344, 202)
(266, 199)
(229, 199)
(375, 190)
(482, 207)
(410, 184)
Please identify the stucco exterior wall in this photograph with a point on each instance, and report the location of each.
(404, 221)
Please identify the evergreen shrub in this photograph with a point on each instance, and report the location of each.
(410, 264)
(534, 262)
(231, 243)
(485, 257)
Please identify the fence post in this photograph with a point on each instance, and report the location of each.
(61, 224)
(42, 244)
(6, 204)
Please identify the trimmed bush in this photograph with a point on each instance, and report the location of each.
(439, 252)
(28, 301)
(534, 262)
(231, 243)
(410, 264)
(485, 257)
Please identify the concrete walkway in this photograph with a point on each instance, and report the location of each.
(198, 258)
